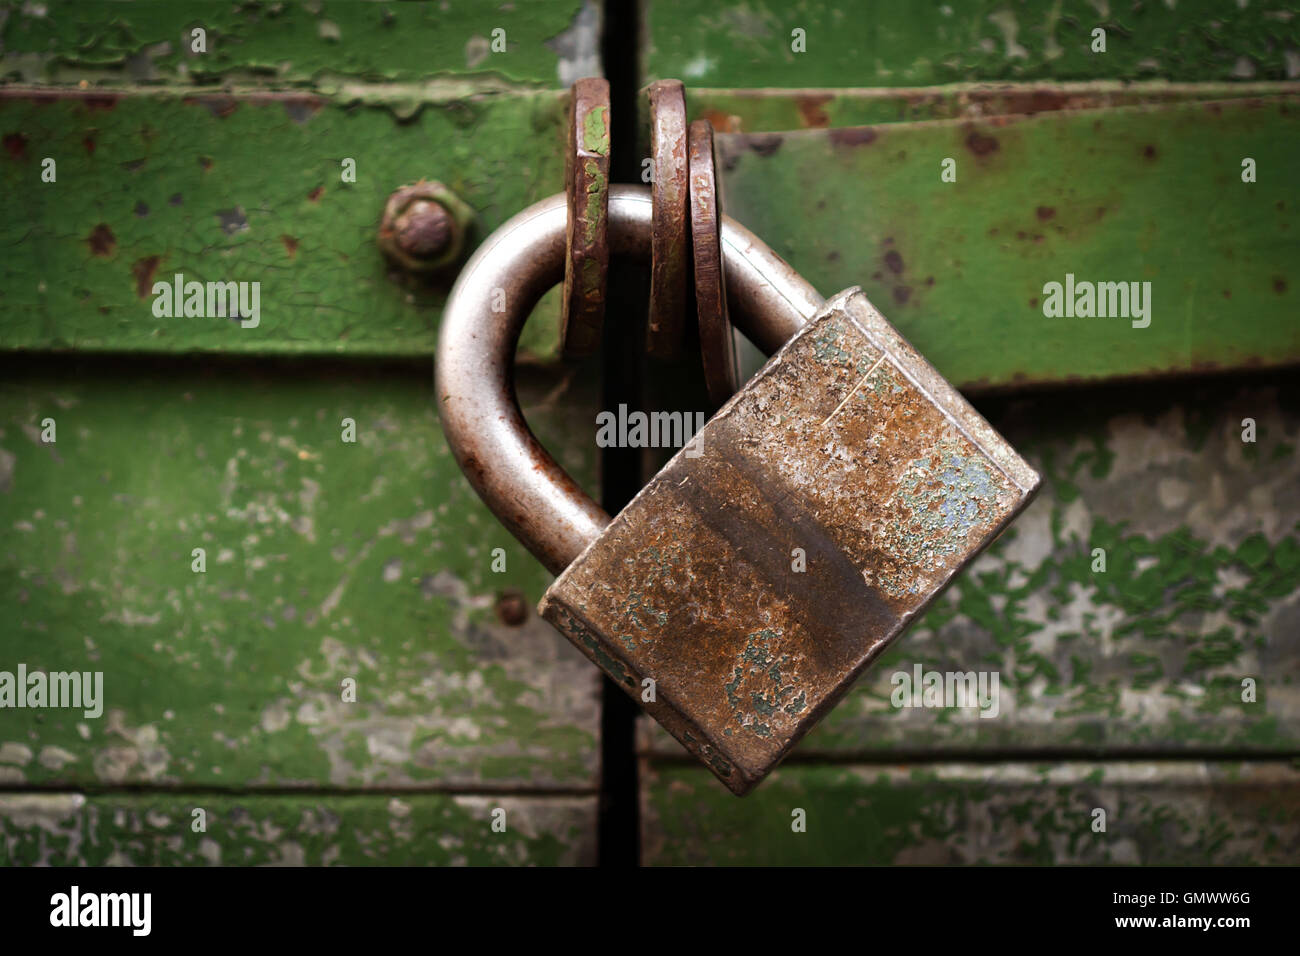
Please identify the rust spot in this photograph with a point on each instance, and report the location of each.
(833, 256)
(894, 261)
(811, 112)
(141, 209)
(290, 245)
(302, 108)
(104, 103)
(929, 280)
(853, 136)
(1214, 108)
(902, 293)
(101, 240)
(1036, 101)
(722, 122)
(16, 145)
(512, 608)
(175, 199)
(89, 144)
(1033, 301)
(766, 144)
(1148, 152)
(219, 106)
(205, 162)
(980, 144)
(315, 194)
(1227, 294)
(1045, 213)
(143, 270)
(1279, 284)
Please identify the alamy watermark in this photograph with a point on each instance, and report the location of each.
(77, 909)
(937, 689)
(76, 689)
(208, 300)
(654, 430)
(1085, 300)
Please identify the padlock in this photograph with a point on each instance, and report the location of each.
(809, 522)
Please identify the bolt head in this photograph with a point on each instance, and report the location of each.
(423, 227)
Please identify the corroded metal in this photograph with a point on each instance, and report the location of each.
(670, 252)
(586, 184)
(717, 347)
(767, 565)
(523, 485)
(423, 226)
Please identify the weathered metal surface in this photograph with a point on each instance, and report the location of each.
(752, 43)
(1156, 813)
(782, 110)
(586, 239)
(151, 185)
(753, 579)
(423, 227)
(1101, 196)
(324, 560)
(670, 252)
(319, 45)
(418, 829)
(717, 348)
(526, 488)
(1144, 646)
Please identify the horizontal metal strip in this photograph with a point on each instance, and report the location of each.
(72, 829)
(775, 43)
(254, 190)
(311, 45)
(1168, 813)
(1063, 247)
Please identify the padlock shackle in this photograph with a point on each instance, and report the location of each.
(474, 368)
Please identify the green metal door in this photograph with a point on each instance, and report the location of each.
(316, 644)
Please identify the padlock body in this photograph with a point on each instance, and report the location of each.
(809, 523)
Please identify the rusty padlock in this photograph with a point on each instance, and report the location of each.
(812, 519)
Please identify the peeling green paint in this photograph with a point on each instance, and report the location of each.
(418, 829)
(748, 43)
(595, 131)
(1202, 551)
(325, 560)
(285, 45)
